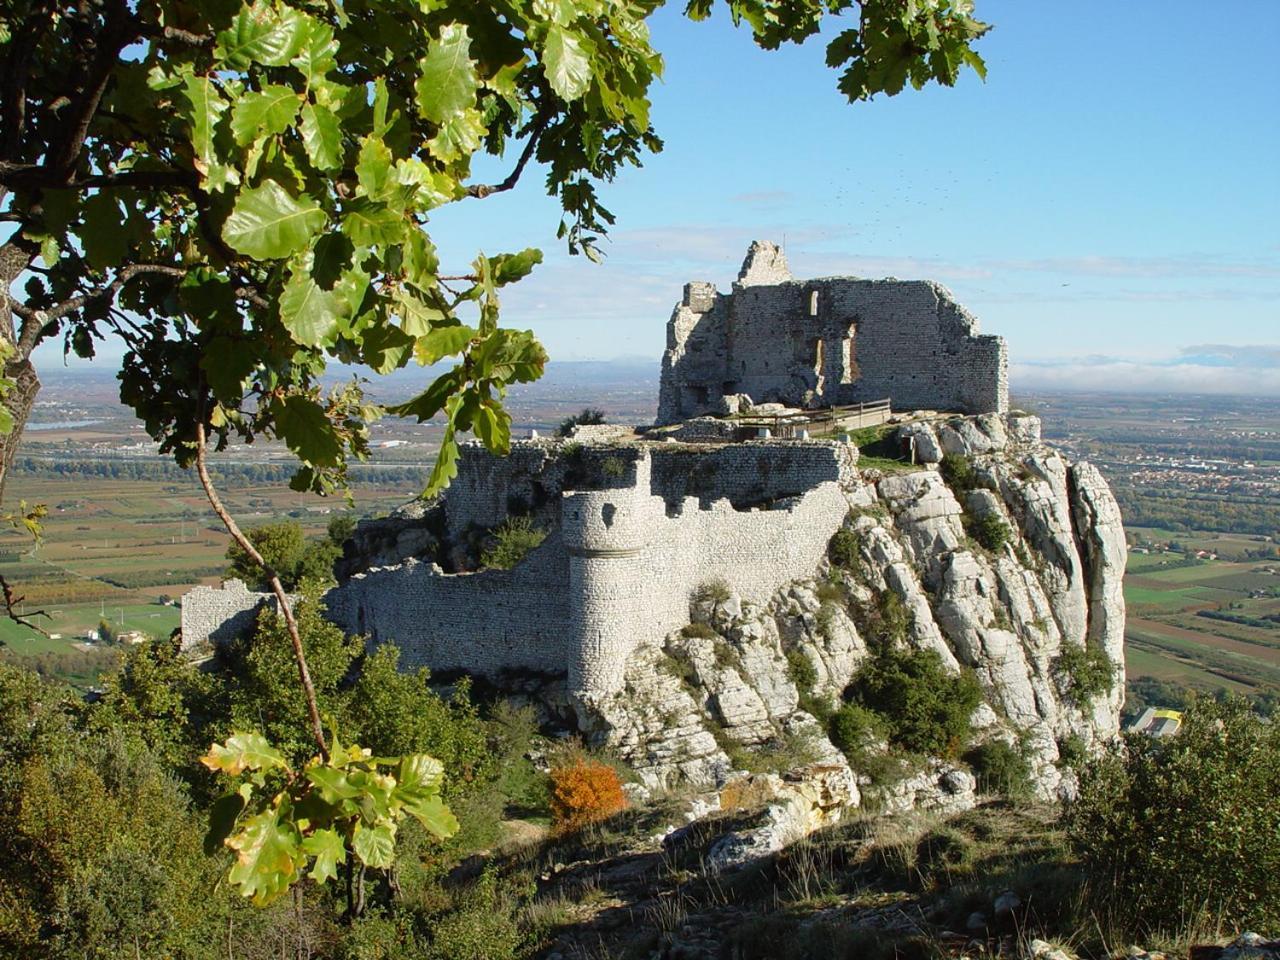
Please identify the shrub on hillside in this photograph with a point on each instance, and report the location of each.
(293, 555)
(886, 624)
(715, 590)
(989, 530)
(1087, 670)
(584, 791)
(512, 541)
(1186, 825)
(957, 471)
(925, 707)
(1000, 768)
(843, 549)
(854, 729)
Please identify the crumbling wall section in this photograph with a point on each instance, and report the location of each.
(488, 623)
(827, 342)
(216, 615)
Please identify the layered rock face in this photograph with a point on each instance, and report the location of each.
(738, 689)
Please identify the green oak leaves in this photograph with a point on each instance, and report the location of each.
(320, 171)
(284, 825)
(244, 192)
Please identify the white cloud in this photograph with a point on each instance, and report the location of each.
(1228, 370)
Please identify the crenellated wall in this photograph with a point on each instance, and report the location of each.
(826, 342)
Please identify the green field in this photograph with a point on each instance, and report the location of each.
(112, 549)
(1168, 640)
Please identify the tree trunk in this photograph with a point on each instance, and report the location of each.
(15, 256)
(19, 402)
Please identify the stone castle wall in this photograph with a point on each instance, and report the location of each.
(826, 342)
(219, 614)
(617, 570)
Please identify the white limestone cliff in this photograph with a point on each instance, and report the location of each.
(1005, 614)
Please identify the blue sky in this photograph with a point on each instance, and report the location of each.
(1108, 200)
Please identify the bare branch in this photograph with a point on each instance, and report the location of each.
(282, 598)
(482, 190)
(10, 601)
(34, 176)
(123, 276)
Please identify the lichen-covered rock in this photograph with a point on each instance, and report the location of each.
(941, 786)
(804, 801)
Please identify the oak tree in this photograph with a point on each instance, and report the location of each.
(242, 193)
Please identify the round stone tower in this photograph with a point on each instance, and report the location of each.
(607, 534)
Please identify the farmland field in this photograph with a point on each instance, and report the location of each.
(1202, 623)
(115, 550)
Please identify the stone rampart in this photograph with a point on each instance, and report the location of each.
(617, 569)
(215, 615)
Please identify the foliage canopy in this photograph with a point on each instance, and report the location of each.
(1187, 824)
(242, 192)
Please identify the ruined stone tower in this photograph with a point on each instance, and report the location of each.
(826, 342)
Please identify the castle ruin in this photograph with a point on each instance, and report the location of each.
(826, 343)
(636, 521)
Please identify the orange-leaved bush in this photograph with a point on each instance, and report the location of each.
(584, 791)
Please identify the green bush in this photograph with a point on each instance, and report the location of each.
(989, 530)
(482, 928)
(712, 591)
(512, 541)
(887, 624)
(854, 728)
(588, 417)
(925, 708)
(830, 591)
(1088, 671)
(1072, 753)
(802, 672)
(825, 619)
(1187, 824)
(291, 554)
(957, 471)
(1000, 768)
(843, 549)
(698, 631)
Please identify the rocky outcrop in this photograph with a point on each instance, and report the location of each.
(748, 686)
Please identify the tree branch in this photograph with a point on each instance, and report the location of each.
(282, 598)
(482, 190)
(123, 276)
(115, 37)
(34, 176)
(10, 601)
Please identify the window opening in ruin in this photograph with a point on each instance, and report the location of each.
(813, 304)
(608, 511)
(849, 358)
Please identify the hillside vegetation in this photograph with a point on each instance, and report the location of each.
(106, 807)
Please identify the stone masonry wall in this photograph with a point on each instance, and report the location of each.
(826, 342)
(214, 615)
(618, 570)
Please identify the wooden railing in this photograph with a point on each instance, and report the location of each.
(826, 422)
